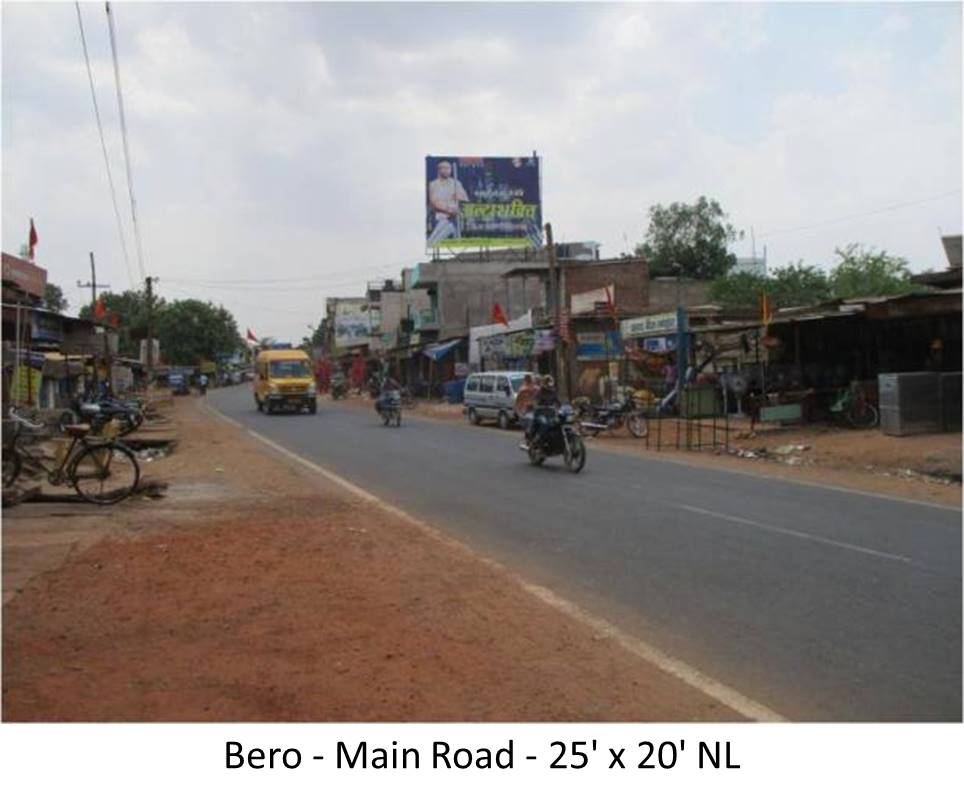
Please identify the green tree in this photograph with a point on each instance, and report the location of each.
(792, 285)
(863, 272)
(54, 298)
(191, 331)
(739, 289)
(131, 308)
(690, 239)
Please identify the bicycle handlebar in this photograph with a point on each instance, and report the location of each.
(22, 420)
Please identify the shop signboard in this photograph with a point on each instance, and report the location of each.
(520, 344)
(649, 325)
(594, 346)
(473, 202)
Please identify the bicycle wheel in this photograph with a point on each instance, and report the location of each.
(104, 473)
(863, 416)
(12, 464)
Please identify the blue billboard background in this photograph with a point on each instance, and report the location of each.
(482, 201)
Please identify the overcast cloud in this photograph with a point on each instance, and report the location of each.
(276, 141)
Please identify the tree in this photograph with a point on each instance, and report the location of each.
(131, 309)
(792, 285)
(54, 298)
(689, 239)
(191, 331)
(862, 272)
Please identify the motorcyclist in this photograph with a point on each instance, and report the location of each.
(546, 403)
(390, 386)
(339, 381)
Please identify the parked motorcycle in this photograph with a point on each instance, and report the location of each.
(97, 412)
(558, 438)
(389, 408)
(595, 419)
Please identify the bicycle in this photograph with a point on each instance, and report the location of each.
(852, 406)
(102, 471)
(407, 398)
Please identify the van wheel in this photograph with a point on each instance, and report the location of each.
(503, 420)
(473, 417)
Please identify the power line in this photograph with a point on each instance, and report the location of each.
(127, 155)
(103, 146)
(828, 221)
(315, 280)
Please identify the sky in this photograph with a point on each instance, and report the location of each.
(277, 150)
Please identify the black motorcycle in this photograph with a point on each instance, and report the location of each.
(389, 408)
(339, 389)
(97, 412)
(558, 437)
(595, 419)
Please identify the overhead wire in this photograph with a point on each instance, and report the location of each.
(852, 216)
(127, 155)
(103, 146)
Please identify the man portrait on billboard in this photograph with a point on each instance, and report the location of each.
(444, 194)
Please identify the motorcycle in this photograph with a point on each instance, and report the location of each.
(558, 438)
(339, 389)
(389, 408)
(97, 412)
(595, 419)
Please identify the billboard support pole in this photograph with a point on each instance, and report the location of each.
(555, 306)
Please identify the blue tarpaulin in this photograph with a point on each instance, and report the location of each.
(438, 351)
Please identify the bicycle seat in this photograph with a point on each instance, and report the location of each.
(77, 430)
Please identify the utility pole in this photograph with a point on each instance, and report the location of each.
(555, 306)
(93, 312)
(150, 330)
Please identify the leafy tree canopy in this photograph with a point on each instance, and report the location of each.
(864, 272)
(191, 331)
(54, 298)
(689, 239)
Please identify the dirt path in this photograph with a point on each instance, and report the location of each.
(254, 593)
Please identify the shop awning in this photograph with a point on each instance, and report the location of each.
(438, 351)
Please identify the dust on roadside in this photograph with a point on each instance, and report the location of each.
(254, 592)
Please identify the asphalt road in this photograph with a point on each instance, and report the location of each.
(822, 604)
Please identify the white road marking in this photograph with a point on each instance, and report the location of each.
(733, 699)
(792, 533)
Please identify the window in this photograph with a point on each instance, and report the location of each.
(487, 384)
(517, 383)
(286, 369)
(472, 384)
(502, 385)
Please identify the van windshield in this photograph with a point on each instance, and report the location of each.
(289, 369)
(516, 383)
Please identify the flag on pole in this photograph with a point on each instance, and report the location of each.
(100, 310)
(251, 337)
(611, 307)
(766, 309)
(32, 241)
(498, 316)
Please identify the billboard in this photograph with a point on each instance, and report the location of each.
(353, 324)
(482, 201)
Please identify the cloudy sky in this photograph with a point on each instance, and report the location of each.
(278, 149)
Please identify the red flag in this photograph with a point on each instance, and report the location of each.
(611, 307)
(100, 310)
(33, 240)
(498, 317)
(115, 321)
(252, 337)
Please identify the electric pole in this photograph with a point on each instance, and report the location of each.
(150, 329)
(93, 312)
(555, 306)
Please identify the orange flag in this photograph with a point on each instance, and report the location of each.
(100, 310)
(498, 317)
(766, 309)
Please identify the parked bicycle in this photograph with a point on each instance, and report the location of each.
(102, 470)
(852, 407)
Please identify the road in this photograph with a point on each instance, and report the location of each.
(822, 604)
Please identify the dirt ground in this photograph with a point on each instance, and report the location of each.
(925, 467)
(254, 592)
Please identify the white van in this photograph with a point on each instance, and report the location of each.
(491, 395)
